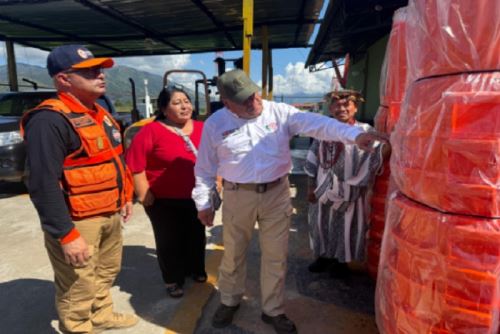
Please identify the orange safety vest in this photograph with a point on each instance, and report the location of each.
(95, 178)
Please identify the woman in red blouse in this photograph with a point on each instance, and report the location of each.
(162, 162)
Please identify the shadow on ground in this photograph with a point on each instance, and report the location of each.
(19, 298)
(10, 189)
(355, 293)
(141, 278)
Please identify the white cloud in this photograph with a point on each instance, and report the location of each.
(158, 65)
(152, 64)
(25, 55)
(155, 64)
(297, 80)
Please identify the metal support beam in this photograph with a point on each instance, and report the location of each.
(247, 33)
(174, 35)
(220, 26)
(110, 12)
(11, 65)
(57, 32)
(265, 59)
(340, 77)
(300, 16)
(25, 42)
(270, 72)
(319, 67)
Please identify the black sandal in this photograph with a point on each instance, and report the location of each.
(200, 278)
(175, 291)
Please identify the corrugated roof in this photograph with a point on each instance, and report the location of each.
(138, 27)
(351, 26)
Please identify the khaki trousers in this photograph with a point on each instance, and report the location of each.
(83, 299)
(272, 210)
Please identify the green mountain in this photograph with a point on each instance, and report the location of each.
(117, 78)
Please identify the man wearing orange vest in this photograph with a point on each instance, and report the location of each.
(81, 189)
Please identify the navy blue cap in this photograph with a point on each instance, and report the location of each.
(67, 57)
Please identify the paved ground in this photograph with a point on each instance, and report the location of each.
(317, 303)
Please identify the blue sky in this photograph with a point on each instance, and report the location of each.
(281, 58)
(290, 76)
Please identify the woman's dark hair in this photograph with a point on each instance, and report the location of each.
(165, 96)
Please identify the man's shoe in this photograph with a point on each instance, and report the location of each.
(321, 265)
(223, 317)
(118, 320)
(281, 323)
(339, 270)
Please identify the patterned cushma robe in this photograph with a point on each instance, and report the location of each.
(344, 175)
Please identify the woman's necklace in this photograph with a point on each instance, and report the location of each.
(180, 130)
(185, 137)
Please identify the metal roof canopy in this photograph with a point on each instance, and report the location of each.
(351, 26)
(155, 27)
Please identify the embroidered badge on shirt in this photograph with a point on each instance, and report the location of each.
(100, 143)
(226, 133)
(117, 136)
(271, 127)
(82, 121)
(107, 121)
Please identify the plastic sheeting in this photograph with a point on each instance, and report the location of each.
(380, 119)
(446, 147)
(394, 78)
(393, 85)
(452, 36)
(439, 268)
(377, 219)
(439, 273)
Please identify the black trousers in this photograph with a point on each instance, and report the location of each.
(180, 238)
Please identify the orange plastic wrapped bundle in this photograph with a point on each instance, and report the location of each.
(452, 36)
(446, 147)
(377, 219)
(394, 71)
(386, 117)
(439, 273)
(394, 78)
(380, 119)
(392, 115)
(373, 257)
(393, 85)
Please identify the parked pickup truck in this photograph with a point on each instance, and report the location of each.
(12, 107)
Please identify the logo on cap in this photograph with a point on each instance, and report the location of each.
(238, 84)
(83, 53)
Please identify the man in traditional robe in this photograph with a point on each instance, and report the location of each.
(340, 179)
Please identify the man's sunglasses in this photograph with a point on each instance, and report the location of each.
(88, 73)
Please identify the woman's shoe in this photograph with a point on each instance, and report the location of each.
(175, 291)
(200, 278)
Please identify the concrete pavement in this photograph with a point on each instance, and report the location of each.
(317, 303)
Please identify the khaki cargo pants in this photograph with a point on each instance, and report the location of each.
(272, 210)
(83, 299)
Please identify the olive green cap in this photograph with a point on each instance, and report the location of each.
(236, 86)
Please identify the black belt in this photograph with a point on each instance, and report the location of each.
(257, 187)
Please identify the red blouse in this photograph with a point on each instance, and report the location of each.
(166, 158)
